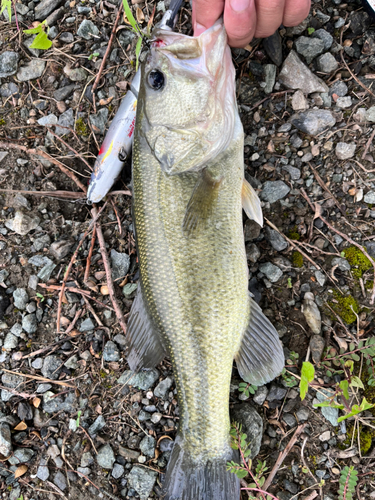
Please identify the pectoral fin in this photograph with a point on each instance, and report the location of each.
(202, 202)
(260, 358)
(251, 203)
(146, 348)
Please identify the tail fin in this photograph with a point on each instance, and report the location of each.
(187, 479)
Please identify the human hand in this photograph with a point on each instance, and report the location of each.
(245, 19)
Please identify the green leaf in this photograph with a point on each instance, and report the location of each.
(34, 31)
(303, 388)
(310, 30)
(241, 474)
(78, 417)
(344, 386)
(308, 371)
(357, 382)
(7, 4)
(130, 17)
(138, 51)
(41, 42)
(329, 373)
(331, 404)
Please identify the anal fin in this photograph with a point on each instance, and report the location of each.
(202, 202)
(251, 203)
(260, 358)
(146, 348)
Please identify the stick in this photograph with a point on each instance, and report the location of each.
(75, 290)
(282, 457)
(88, 262)
(69, 195)
(39, 152)
(72, 260)
(96, 82)
(107, 268)
(42, 379)
(368, 144)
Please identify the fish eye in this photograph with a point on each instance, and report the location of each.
(156, 79)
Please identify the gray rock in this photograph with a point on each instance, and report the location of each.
(341, 263)
(7, 90)
(75, 74)
(144, 380)
(60, 249)
(292, 487)
(252, 426)
(370, 114)
(72, 363)
(87, 325)
(303, 414)
(8, 63)
(289, 419)
(275, 239)
(276, 393)
(97, 426)
(156, 417)
(10, 342)
(51, 367)
(142, 480)
(22, 224)
(128, 454)
(86, 459)
(40, 260)
(64, 92)
(344, 102)
(87, 29)
(45, 7)
(21, 456)
(3, 275)
(105, 457)
(296, 75)
(273, 191)
(120, 340)
(331, 414)
(317, 345)
(120, 264)
(118, 471)
(60, 481)
(29, 323)
(37, 363)
(129, 290)
(322, 17)
(66, 37)
(314, 121)
(53, 403)
(98, 121)
(260, 395)
(252, 253)
(42, 472)
(111, 352)
(46, 271)
(147, 446)
(42, 388)
(299, 102)
(163, 387)
(41, 242)
(325, 36)
(369, 198)
(270, 77)
(339, 88)
(32, 70)
(21, 298)
(327, 63)
(48, 120)
(295, 173)
(272, 272)
(345, 150)
(16, 330)
(5, 440)
(66, 119)
(309, 48)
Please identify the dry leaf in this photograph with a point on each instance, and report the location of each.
(104, 102)
(271, 146)
(99, 275)
(23, 261)
(341, 342)
(20, 427)
(98, 409)
(17, 356)
(93, 353)
(20, 471)
(64, 321)
(104, 290)
(113, 365)
(139, 15)
(74, 333)
(92, 285)
(36, 402)
(122, 85)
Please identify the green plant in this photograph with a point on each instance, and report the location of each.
(289, 379)
(78, 417)
(238, 442)
(344, 306)
(6, 4)
(94, 54)
(137, 30)
(307, 375)
(40, 296)
(310, 30)
(247, 389)
(41, 40)
(357, 260)
(348, 481)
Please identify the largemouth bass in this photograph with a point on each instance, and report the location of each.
(193, 302)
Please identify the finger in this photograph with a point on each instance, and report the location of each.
(295, 11)
(240, 21)
(205, 13)
(269, 16)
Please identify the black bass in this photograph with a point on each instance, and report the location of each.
(193, 302)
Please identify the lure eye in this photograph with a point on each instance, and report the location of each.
(156, 79)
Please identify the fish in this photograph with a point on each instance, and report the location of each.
(192, 302)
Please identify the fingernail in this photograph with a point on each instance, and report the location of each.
(198, 29)
(239, 5)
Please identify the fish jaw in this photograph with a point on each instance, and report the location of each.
(193, 114)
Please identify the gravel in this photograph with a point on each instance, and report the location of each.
(296, 75)
(252, 426)
(111, 352)
(314, 121)
(106, 457)
(142, 480)
(51, 367)
(163, 387)
(31, 70)
(309, 48)
(8, 63)
(272, 272)
(345, 150)
(274, 190)
(144, 380)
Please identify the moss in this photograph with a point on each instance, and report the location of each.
(103, 374)
(357, 260)
(343, 307)
(297, 259)
(81, 128)
(2, 122)
(369, 284)
(366, 435)
(294, 234)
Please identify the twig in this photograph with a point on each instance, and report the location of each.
(88, 262)
(107, 268)
(56, 489)
(88, 435)
(24, 395)
(42, 379)
(72, 260)
(355, 78)
(70, 147)
(96, 82)
(368, 144)
(74, 290)
(69, 195)
(90, 308)
(282, 456)
(39, 152)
